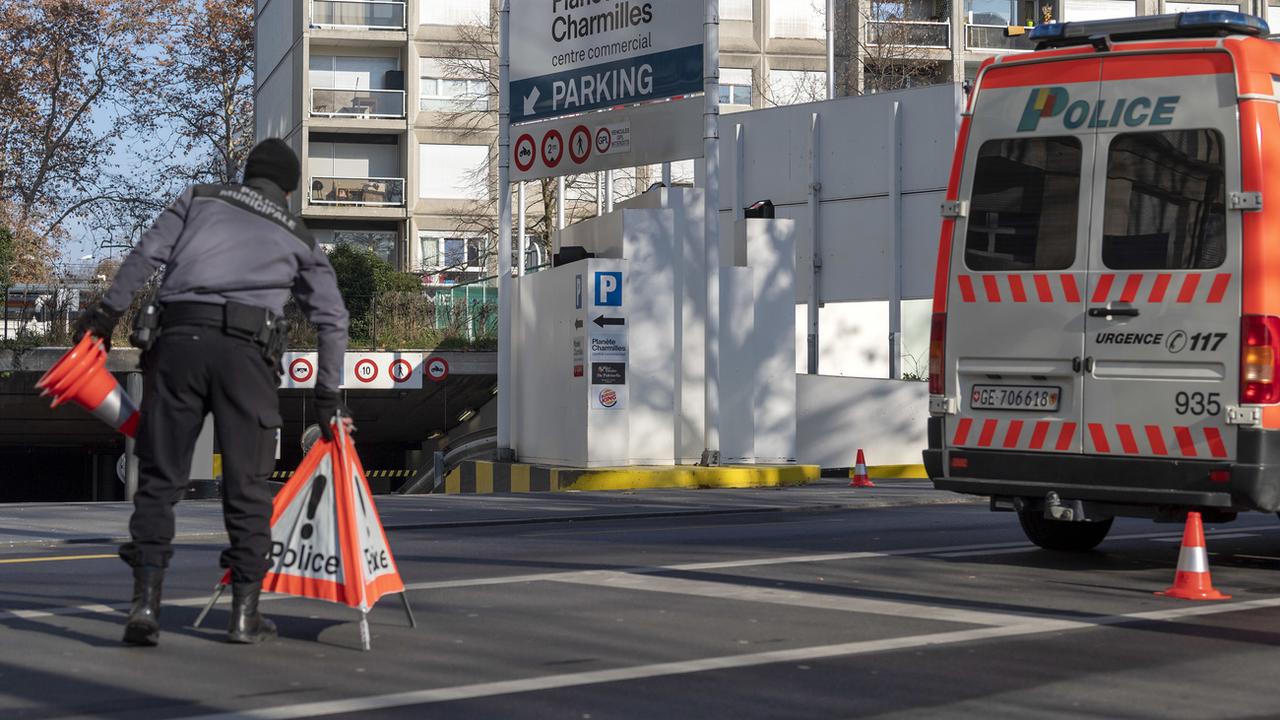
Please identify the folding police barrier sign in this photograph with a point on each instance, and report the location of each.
(327, 542)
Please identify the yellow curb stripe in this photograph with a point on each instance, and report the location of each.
(520, 478)
(896, 471)
(484, 478)
(695, 477)
(56, 558)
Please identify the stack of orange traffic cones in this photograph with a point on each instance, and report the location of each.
(1192, 579)
(81, 376)
(858, 478)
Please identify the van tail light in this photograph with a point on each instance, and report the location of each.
(1260, 359)
(937, 353)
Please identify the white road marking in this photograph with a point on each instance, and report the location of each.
(777, 596)
(980, 548)
(1208, 537)
(684, 667)
(976, 553)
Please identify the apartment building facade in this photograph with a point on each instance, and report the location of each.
(397, 136)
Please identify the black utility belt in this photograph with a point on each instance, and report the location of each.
(236, 319)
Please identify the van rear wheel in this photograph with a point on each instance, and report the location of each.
(1062, 535)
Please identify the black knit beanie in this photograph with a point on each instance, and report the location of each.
(274, 160)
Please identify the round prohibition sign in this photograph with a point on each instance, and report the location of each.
(526, 152)
(401, 370)
(604, 140)
(437, 369)
(301, 370)
(579, 144)
(552, 148)
(366, 370)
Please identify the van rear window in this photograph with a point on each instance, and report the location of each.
(1026, 197)
(1166, 201)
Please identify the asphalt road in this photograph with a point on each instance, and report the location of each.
(806, 603)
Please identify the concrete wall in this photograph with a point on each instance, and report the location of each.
(835, 416)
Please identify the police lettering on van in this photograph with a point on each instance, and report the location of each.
(1105, 337)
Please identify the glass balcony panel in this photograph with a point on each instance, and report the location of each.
(910, 33)
(374, 192)
(991, 37)
(334, 102)
(364, 14)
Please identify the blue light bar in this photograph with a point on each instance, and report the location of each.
(1188, 24)
(1235, 22)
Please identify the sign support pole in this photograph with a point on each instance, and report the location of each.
(608, 191)
(815, 220)
(895, 236)
(560, 203)
(666, 174)
(521, 245)
(831, 49)
(711, 212)
(506, 392)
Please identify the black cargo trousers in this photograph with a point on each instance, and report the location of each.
(189, 372)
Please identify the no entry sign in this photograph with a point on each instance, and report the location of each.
(361, 371)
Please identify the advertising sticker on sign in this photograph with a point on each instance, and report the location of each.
(570, 56)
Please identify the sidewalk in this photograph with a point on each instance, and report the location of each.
(58, 524)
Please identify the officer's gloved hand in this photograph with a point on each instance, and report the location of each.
(330, 409)
(99, 321)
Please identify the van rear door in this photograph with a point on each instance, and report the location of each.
(1015, 311)
(1162, 323)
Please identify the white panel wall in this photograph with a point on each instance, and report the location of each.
(275, 32)
(854, 339)
(451, 171)
(835, 416)
(855, 185)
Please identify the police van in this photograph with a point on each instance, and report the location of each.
(1106, 327)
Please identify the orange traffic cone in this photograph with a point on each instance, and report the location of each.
(858, 478)
(81, 376)
(1192, 579)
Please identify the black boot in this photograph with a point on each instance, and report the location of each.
(247, 624)
(144, 617)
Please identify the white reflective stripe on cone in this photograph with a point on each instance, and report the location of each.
(1193, 560)
(116, 408)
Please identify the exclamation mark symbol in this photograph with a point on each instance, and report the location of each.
(313, 502)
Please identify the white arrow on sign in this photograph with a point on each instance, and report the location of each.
(531, 101)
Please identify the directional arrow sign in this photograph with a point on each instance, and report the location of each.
(602, 321)
(531, 100)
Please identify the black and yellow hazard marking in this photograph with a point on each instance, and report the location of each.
(55, 558)
(371, 474)
(479, 477)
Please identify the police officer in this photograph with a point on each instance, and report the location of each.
(232, 254)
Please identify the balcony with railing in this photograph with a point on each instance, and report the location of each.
(358, 14)
(356, 192)
(909, 33)
(345, 103)
(992, 38)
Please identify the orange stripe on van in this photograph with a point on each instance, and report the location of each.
(1103, 288)
(1039, 434)
(1127, 441)
(1217, 448)
(993, 288)
(1042, 288)
(1016, 289)
(1069, 288)
(1219, 289)
(1012, 435)
(1155, 436)
(962, 431)
(1159, 287)
(988, 433)
(1064, 72)
(1185, 441)
(1189, 285)
(1065, 436)
(1138, 67)
(966, 288)
(1099, 436)
(1131, 287)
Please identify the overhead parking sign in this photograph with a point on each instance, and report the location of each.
(569, 56)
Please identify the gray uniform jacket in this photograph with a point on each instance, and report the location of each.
(240, 243)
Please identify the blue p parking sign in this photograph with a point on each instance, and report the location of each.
(608, 289)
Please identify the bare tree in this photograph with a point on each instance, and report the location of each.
(66, 66)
